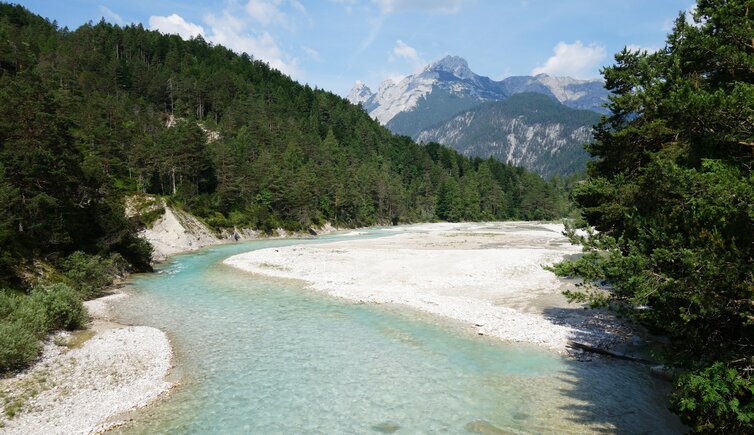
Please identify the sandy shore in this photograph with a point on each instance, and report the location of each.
(488, 275)
(85, 381)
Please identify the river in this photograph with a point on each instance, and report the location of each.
(260, 355)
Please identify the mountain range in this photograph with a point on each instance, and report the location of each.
(434, 103)
(527, 129)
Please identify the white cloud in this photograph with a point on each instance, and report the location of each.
(374, 30)
(434, 6)
(574, 60)
(175, 24)
(403, 50)
(230, 30)
(408, 53)
(311, 53)
(298, 6)
(107, 13)
(347, 4)
(636, 47)
(267, 12)
(388, 7)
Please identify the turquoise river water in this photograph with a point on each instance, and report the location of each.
(257, 355)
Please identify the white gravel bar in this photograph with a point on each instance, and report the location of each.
(89, 388)
(488, 275)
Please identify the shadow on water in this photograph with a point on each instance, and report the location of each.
(611, 395)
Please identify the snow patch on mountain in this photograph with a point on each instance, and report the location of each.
(452, 74)
(454, 65)
(360, 93)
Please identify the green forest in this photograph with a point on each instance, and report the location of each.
(93, 116)
(671, 197)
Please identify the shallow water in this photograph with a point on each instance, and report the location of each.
(257, 355)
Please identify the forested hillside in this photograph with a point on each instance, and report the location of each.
(671, 193)
(86, 115)
(91, 116)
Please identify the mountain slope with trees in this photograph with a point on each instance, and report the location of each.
(526, 129)
(94, 115)
(671, 193)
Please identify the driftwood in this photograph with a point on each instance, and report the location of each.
(593, 349)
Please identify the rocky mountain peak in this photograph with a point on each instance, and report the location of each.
(451, 64)
(448, 86)
(360, 93)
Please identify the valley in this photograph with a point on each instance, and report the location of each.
(200, 232)
(540, 123)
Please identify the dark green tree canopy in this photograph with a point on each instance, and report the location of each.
(93, 115)
(671, 193)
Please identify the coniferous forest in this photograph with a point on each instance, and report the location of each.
(92, 116)
(671, 195)
(98, 114)
(101, 112)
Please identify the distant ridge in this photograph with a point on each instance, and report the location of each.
(528, 129)
(448, 86)
(538, 122)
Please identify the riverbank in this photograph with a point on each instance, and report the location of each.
(487, 275)
(178, 232)
(89, 380)
(84, 382)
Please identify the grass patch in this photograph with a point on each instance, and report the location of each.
(16, 397)
(79, 338)
(149, 218)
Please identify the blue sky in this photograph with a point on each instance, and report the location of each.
(332, 43)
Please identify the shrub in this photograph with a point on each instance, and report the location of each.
(8, 303)
(24, 320)
(31, 313)
(50, 308)
(18, 346)
(148, 218)
(89, 274)
(716, 399)
(63, 307)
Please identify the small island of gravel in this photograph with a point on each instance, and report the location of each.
(488, 275)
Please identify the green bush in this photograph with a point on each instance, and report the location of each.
(89, 274)
(716, 399)
(8, 303)
(137, 252)
(32, 314)
(62, 306)
(50, 308)
(25, 319)
(18, 346)
(148, 218)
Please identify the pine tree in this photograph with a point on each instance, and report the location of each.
(672, 195)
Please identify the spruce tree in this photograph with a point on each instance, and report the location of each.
(671, 193)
